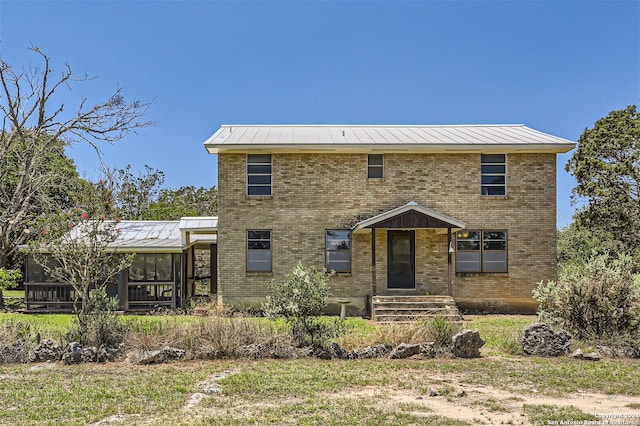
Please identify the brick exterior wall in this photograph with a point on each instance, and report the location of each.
(316, 192)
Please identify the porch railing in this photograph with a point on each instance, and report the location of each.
(151, 295)
(50, 297)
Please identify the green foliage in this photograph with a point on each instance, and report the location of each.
(300, 298)
(100, 324)
(439, 330)
(9, 278)
(133, 195)
(598, 301)
(606, 165)
(172, 204)
(576, 245)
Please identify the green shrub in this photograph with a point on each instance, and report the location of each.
(100, 325)
(596, 302)
(299, 298)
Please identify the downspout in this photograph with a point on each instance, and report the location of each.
(449, 266)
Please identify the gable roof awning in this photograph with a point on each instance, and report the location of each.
(410, 216)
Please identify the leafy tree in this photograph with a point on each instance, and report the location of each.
(172, 204)
(606, 165)
(577, 245)
(8, 279)
(37, 125)
(73, 245)
(133, 195)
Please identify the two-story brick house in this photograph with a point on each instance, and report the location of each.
(468, 211)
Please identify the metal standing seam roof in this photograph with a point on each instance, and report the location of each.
(375, 137)
(160, 235)
(151, 235)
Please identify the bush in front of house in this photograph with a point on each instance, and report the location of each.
(99, 325)
(599, 301)
(299, 298)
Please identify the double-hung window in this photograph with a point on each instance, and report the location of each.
(259, 250)
(494, 174)
(259, 168)
(375, 166)
(481, 251)
(338, 250)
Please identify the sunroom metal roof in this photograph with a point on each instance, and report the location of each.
(410, 138)
(148, 235)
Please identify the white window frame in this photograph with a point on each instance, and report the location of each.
(251, 265)
(485, 187)
(330, 250)
(253, 162)
(371, 167)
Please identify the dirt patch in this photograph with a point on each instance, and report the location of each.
(487, 405)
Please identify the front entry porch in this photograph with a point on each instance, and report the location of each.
(411, 263)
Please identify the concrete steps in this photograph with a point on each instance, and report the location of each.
(394, 309)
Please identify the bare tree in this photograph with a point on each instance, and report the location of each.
(75, 245)
(36, 128)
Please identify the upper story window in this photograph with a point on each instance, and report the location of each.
(338, 250)
(481, 251)
(375, 166)
(259, 250)
(494, 174)
(259, 174)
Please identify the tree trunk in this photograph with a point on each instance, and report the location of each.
(1, 300)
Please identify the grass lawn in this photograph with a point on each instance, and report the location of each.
(499, 388)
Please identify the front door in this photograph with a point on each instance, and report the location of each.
(402, 260)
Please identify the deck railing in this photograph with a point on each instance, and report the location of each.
(50, 297)
(151, 295)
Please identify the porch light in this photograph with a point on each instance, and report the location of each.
(451, 250)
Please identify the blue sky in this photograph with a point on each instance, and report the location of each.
(556, 66)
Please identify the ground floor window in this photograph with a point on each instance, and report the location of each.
(259, 250)
(338, 243)
(481, 251)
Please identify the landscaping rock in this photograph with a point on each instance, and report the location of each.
(72, 354)
(166, 354)
(467, 344)
(540, 340)
(47, 351)
(334, 351)
(592, 356)
(428, 350)
(109, 352)
(377, 351)
(577, 354)
(89, 354)
(404, 350)
(14, 353)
